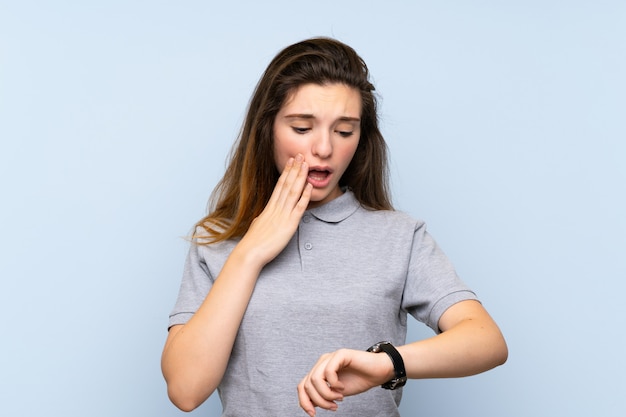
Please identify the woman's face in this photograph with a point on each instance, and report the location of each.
(323, 123)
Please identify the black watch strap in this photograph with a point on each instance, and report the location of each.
(398, 364)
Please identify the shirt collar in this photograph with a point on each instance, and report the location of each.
(337, 209)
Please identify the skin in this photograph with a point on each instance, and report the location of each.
(190, 373)
(322, 123)
(317, 129)
(470, 343)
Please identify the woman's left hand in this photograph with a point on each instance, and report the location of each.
(470, 343)
(340, 374)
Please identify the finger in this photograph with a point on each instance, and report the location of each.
(318, 389)
(316, 397)
(281, 181)
(336, 362)
(305, 401)
(292, 188)
(325, 389)
(305, 198)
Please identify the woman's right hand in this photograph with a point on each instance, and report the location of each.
(192, 374)
(271, 231)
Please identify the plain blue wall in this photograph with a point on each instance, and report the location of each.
(506, 123)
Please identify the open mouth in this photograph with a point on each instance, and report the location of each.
(319, 178)
(318, 175)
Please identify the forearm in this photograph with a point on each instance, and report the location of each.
(192, 363)
(471, 345)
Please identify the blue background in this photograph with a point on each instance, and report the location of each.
(507, 130)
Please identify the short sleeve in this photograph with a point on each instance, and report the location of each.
(195, 285)
(432, 284)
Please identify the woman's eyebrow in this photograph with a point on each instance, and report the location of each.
(310, 116)
(299, 116)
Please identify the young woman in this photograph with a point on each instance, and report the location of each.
(302, 264)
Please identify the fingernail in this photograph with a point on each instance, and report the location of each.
(299, 158)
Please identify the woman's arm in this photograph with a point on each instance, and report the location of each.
(196, 354)
(470, 343)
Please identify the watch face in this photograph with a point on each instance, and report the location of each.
(378, 347)
(395, 383)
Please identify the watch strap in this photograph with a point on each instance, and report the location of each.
(398, 364)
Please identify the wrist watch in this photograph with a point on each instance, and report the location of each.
(398, 364)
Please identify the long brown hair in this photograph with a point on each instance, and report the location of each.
(251, 175)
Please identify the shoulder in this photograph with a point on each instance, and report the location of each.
(391, 218)
(202, 241)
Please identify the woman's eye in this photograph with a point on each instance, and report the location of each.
(300, 130)
(345, 133)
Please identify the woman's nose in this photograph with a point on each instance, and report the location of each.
(322, 146)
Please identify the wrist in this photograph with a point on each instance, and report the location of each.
(245, 259)
(249, 253)
(390, 371)
(398, 372)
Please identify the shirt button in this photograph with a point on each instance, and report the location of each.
(308, 246)
(306, 219)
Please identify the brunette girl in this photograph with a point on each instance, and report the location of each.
(298, 282)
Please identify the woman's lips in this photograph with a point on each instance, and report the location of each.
(319, 178)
